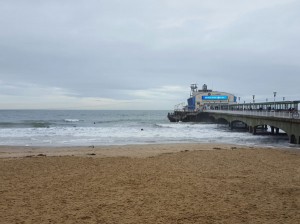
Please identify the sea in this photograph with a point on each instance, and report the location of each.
(118, 127)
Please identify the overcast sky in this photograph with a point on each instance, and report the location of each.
(144, 54)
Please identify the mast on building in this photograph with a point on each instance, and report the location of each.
(194, 88)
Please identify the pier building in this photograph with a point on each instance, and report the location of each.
(201, 99)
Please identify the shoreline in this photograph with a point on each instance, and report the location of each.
(131, 150)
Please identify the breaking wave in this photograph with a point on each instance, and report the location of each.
(25, 124)
(71, 120)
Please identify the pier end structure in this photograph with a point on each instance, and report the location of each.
(202, 99)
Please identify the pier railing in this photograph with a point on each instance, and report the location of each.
(279, 114)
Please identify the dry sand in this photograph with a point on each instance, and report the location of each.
(180, 183)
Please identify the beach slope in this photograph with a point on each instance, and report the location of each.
(186, 185)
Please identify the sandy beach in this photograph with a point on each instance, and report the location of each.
(171, 183)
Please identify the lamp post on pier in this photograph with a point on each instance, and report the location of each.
(274, 93)
(253, 96)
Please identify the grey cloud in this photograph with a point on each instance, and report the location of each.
(113, 48)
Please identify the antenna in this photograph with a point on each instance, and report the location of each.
(194, 88)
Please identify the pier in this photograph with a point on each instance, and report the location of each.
(206, 105)
(253, 117)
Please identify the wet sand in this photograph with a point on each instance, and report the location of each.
(173, 183)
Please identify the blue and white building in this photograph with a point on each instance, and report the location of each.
(208, 99)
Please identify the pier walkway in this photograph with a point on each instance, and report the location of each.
(280, 114)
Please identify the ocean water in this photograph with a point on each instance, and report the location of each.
(85, 128)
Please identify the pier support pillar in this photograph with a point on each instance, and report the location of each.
(254, 131)
(250, 129)
(293, 139)
(272, 130)
(277, 131)
(230, 125)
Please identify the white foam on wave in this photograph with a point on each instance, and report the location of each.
(71, 120)
(164, 133)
